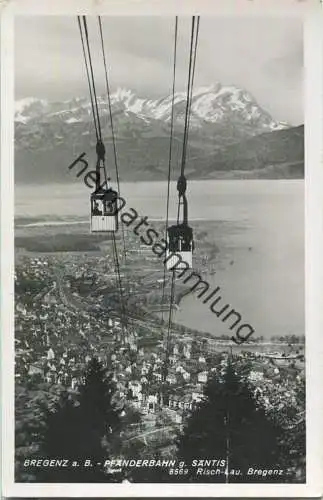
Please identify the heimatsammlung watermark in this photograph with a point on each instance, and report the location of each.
(158, 245)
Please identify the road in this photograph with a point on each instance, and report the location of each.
(153, 432)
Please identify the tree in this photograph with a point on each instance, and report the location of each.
(97, 400)
(296, 432)
(231, 424)
(65, 437)
(87, 428)
(30, 408)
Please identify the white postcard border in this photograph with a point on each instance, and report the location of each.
(313, 108)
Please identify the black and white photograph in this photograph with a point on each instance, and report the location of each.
(159, 250)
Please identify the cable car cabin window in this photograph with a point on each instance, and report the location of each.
(109, 207)
(96, 208)
(180, 242)
(104, 212)
(180, 239)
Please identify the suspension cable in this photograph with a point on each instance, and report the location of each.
(117, 267)
(109, 102)
(170, 150)
(100, 150)
(191, 93)
(92, 75)
(98, 130)
(191, 71)
(114, 146)
(181, 184)
(187, 110)
(88, 79)
(112, 126)
(169, 326)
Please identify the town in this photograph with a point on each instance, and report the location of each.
(68, 310)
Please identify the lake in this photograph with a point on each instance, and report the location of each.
(260, 265)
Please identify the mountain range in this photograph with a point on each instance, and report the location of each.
(230, 136)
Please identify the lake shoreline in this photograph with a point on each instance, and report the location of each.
(256, 227)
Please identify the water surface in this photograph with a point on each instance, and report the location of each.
(258, 228)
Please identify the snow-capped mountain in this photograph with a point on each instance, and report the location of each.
(212, 105)
(32, 106)
(49, 135)
(209, 104)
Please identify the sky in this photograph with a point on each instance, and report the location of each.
(261, 55)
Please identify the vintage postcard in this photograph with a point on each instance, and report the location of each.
(162, 228)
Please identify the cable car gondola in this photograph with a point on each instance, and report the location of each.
(180, 243)
(104, 211)
(104, 200)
